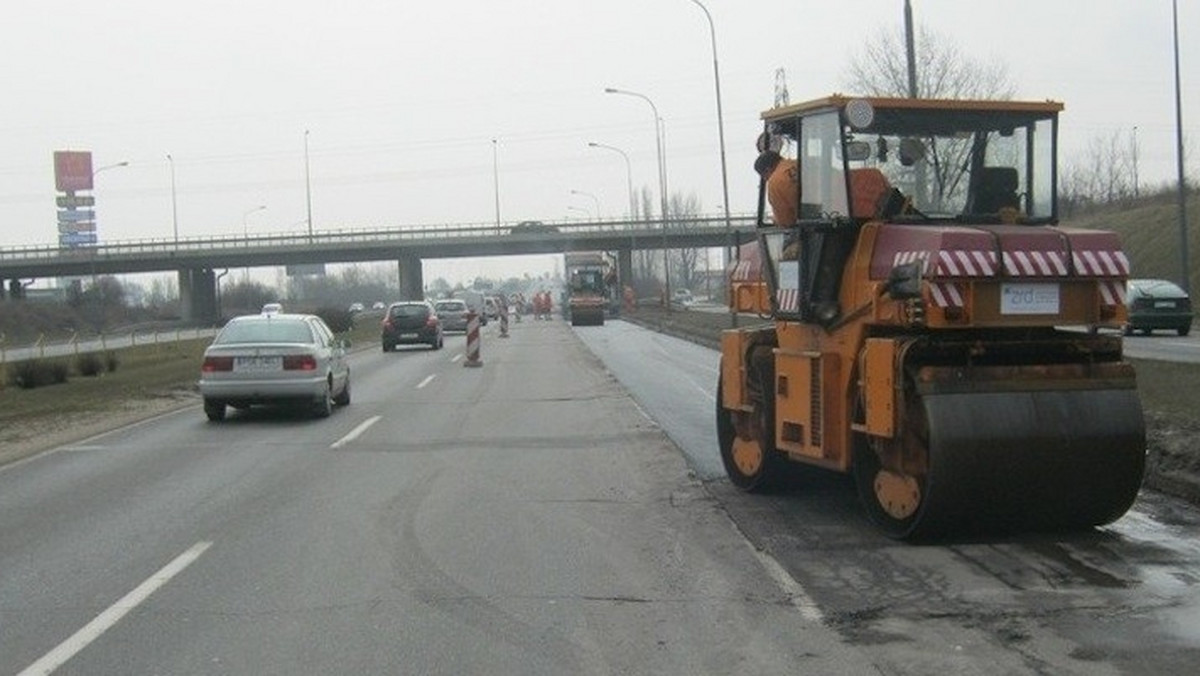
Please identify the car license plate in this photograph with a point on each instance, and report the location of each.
(1164, 304)
(257, 364)
(407, 336)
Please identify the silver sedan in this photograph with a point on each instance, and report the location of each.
(275, 359)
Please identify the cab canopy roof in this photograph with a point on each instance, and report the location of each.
(918, 116)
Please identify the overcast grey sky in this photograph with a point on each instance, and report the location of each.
(402, 99)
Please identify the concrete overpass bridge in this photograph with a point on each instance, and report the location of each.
(196, 260)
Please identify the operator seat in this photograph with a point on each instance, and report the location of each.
(868, 188)
(996, 189)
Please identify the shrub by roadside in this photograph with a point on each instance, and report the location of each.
(31, 373)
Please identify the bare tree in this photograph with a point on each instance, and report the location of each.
(685, 262)
(943, 69)
(1102, 175)
(644, 267)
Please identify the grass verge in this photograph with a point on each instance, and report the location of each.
(149, 379)
(143, 371)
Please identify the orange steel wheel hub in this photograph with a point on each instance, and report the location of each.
(898, 494)
(747, 455)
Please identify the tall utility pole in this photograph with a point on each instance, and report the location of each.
(781, 90)
(1185, 282)
(910, 44)
(1136, 183)
(920, 177)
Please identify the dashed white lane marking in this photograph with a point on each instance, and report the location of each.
(354, 433)
(456, 357)
(428, 379)
(105, 620)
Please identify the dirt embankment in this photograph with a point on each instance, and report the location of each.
(1172, 435)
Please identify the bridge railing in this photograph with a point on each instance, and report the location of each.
(551, 229)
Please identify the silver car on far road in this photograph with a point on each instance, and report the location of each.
(452, 313)
(275, 359)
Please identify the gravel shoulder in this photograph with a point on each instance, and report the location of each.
(18, 443)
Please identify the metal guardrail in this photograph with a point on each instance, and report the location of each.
(74, 345)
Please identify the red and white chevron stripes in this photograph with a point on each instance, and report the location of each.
(961, 263)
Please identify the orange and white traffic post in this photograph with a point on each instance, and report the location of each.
(473, 340)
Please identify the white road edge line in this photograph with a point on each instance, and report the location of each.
(51, 451)
(808, 608)
(105, 620)
(799, 598)
(428, 379)
(355, 433)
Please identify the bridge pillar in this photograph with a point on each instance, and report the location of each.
(625, 267)
(198, 295)
(16, 290)
(412, 283)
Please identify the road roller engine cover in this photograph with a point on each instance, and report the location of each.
(920, 315)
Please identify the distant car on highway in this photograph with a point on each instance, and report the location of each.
(357, 307)
(273, 359)
(532, 227)
(378, 305)
(1157, 304)
(272, 308)
(452, 312)
(682, 298)
(411, 322)
(491, 307)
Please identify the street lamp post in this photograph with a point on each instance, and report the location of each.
(662, 188)
(174, 206)
(107, 167)
(721, 136)
(245, 229)
(307, 188)
(594, 199)
(496, 180)
(628, 174)
(246, 236)
(110, 166)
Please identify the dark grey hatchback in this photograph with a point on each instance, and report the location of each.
(411, 322)
(1157, 304)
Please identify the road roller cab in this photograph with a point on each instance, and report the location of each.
(916, 309)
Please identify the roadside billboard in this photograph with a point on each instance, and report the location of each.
(72, 170)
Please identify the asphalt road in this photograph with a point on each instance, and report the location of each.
(524, 517)
(1164, 347)
(536, 515)
(1124, 599)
